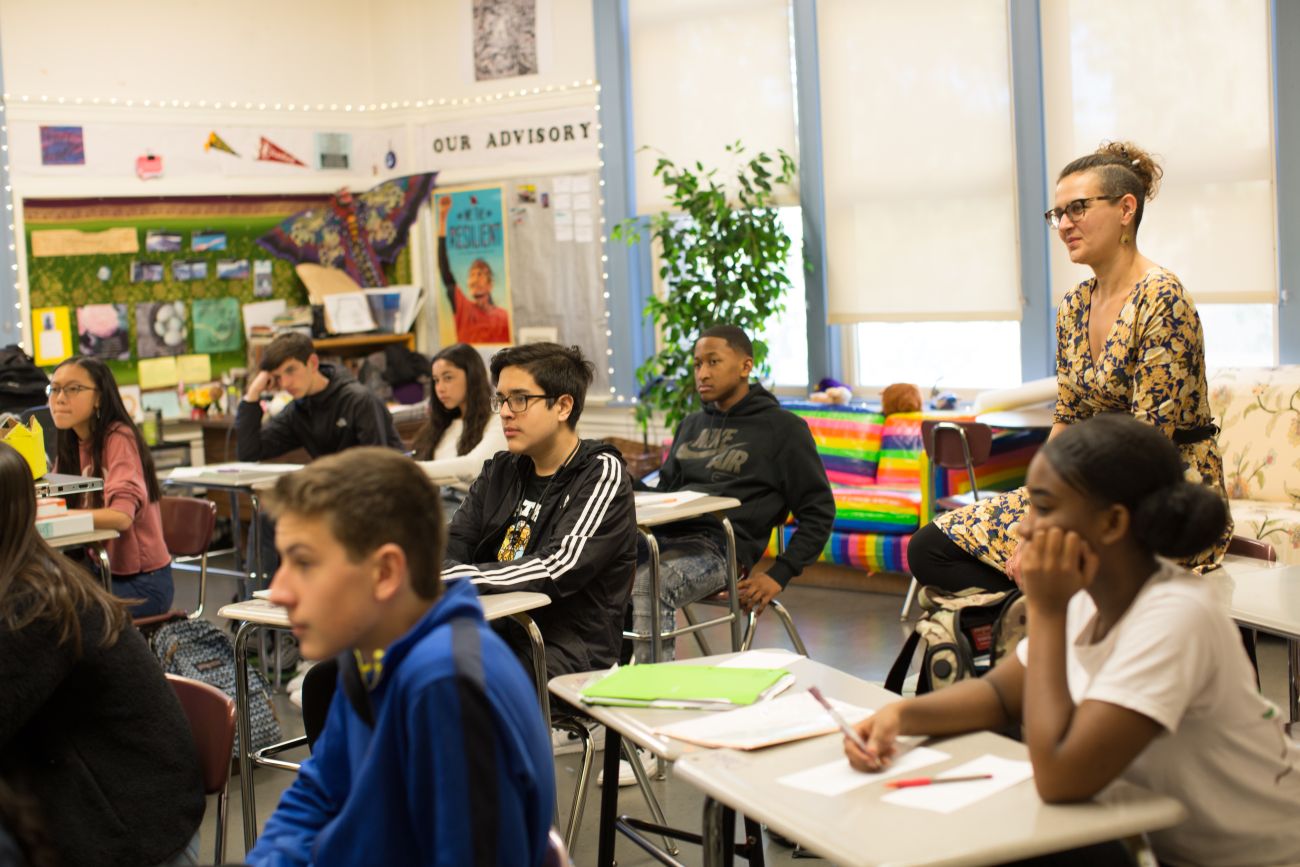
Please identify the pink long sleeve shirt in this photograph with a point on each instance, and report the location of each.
(141, 547)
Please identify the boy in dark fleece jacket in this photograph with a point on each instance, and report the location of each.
(434, 751)
(742, 445)
(552, 515)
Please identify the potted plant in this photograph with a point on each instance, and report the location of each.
(723, 252)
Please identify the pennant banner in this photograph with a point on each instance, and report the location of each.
(217, 142)
(270, 152)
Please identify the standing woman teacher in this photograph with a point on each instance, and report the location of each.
(1128, 339)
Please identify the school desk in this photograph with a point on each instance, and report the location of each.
(1028, 418)
(855, 828)
(650, 516)
(93, 542)
(259, 612)
(1267, 598)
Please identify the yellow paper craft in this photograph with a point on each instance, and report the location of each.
(158, 372)
(28, 441)
(192, 369)
(52, 334)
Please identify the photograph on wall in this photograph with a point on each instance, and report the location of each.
(216, 325)
(160, 329)
(232, 269)
(204, 242)
(53, 332)
(198, 270)
(181, 271)
(104, 331)
(146, 272)
(474, 304)
(262, 283)
(505, 38)
(62, 146)
(333, 150)
(158, 241)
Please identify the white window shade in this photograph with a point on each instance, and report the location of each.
(1188, 81)
(706, 73)
(918, 152)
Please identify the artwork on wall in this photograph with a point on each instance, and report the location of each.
(217, 143)
(104, 331)
(62, 146)
(270, 152)
(159, 241)
(232, 269)
(53, 333)
(160, 329)
(203, 242)
(475, 306)
(505, 38)
(333, 150)
(216, 324)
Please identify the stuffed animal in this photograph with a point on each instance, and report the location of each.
(831, 391)
(900, 397)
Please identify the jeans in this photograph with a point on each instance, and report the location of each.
(154, 588)
(691, 566)
(186, 857)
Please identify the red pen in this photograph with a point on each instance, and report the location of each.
(934, 781)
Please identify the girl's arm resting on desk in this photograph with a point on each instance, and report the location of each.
(124, 488)
(111, 519)
(992, 702)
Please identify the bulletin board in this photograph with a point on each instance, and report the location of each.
(220, 231)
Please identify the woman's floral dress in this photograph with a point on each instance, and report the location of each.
(1152, 365)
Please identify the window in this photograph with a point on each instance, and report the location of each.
(787, 335)
(1239, 335)
(977, 354)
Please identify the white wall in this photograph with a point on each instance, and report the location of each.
(302, 51)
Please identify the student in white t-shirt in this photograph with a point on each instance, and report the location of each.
(1131, 670)
(462, 431)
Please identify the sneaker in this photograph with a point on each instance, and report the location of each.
(564, 742)
(626, 776)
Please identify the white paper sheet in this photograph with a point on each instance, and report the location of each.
(410, 304)
(838, 777)
(761, 659)
(950, 797)
(348, 313)
(789, 718)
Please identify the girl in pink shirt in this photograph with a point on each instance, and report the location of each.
(96, 437)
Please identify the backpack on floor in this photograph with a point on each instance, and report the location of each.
(956, 631)
(199, 650)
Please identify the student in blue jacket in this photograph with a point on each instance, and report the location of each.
(434, 751)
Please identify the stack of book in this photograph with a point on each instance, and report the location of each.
(54, 519)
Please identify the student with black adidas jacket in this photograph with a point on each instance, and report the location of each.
(741, 445)
(552, 515)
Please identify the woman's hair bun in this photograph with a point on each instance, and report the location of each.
(1138, 161)
(1180, 520)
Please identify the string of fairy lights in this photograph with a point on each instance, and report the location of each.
(245, 105)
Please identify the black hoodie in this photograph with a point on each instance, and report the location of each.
(581, 552)
(765, 457)
(342, 414)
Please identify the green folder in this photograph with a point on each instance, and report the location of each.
(686, 686)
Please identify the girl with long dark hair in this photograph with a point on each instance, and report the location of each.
(90, 731)
(461, 432)
(96, 437)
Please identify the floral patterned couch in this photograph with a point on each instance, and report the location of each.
(1258, 411)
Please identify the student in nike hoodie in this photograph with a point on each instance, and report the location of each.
(434, 751)
(742, 445)
(552, 515)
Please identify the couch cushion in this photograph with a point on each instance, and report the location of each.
(870, 552)
(1258, 412)
(1272, 522)
(847, 438)
(876, 510)
(902, 451)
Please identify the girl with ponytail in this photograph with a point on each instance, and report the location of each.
(1132, 669)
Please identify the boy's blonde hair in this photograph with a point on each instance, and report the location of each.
(371, 496)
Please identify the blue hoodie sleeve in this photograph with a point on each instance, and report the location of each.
(312, 802)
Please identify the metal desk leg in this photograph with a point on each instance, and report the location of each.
(100, 554)
(609, 798)
(1292, 670)
(255, 533)
(539, 663)
(245, 735)
(656, 585)
(733, 600)
(236, 536)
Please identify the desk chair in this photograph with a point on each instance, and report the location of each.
(188, 525)
(720, 598)
(211, 715)
(557, 854)
(953, 445)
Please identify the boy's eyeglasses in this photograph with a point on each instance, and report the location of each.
(72, 391)
(1075, 210)
(516, 402)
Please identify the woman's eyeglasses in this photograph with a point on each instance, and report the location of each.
(72, 391)
(1075, 210)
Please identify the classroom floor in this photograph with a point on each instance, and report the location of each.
(854, 631)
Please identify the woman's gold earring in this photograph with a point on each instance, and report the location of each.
(1125, 238)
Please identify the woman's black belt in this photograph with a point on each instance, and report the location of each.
(1189, 435)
